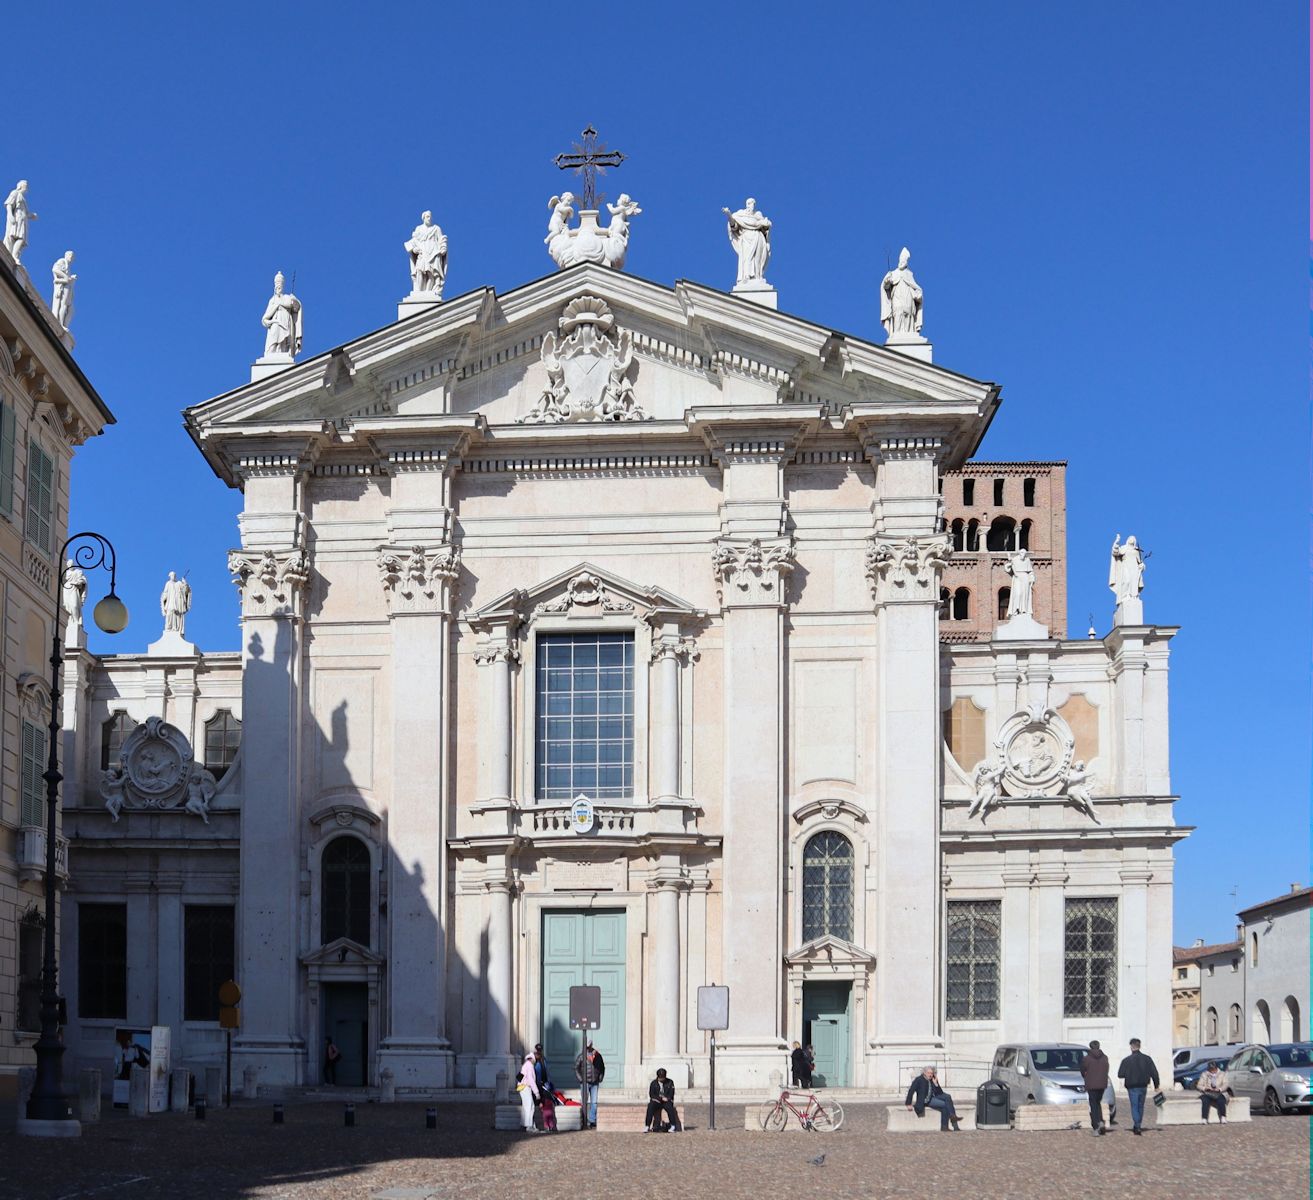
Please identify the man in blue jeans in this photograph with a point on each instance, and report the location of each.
(589, 1069)
(925, 1092)
(1137, 1072)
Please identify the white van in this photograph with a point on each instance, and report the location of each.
(1041, 1072)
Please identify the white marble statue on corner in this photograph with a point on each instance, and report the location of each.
(61, 298)
(988, 783)
(902, 309)
(1126, 578)
(72, 596)
(588, 242)
(749, 235)
(17, 215)
(175, 604)
(1079, 778)
(283, 321)
(427, 250)
(1020, 624)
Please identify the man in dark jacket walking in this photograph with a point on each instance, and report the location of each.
(1137, 1072)
(1094, 1069)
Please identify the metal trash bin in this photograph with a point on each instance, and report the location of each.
(992, 1103)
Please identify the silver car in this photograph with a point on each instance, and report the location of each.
(1040, 1073)
(1277, 1077)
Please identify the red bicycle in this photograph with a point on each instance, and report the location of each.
(819, 1116)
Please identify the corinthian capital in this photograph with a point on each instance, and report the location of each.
(417, 580)
(906, 569)
(754, 572)
(270, 582)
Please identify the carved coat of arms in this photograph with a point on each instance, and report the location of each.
(587, 369)
(156, 770)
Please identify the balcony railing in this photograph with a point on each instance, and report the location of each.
(32, 854)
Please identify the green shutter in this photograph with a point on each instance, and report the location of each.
(40, 495)
(33, 785)
(6, 458)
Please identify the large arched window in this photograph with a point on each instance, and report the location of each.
(344, 891)
(112, 734)
(1023, 538)
(959, 534)
(1261, 1029)
(962, 604)
(827, 887)
(223, 734)
(945, 603)
(1002, 534)
(973, 534)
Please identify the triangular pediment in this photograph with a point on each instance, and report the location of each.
(481, 363)
(342, 952)
(829, 950)
(586, 590)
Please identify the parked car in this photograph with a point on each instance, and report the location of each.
(1189, 1062)
(1040, 1073)
(1279, 1077)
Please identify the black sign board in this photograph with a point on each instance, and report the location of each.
(585, 1007)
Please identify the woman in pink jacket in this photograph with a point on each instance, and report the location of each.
(528, 1092)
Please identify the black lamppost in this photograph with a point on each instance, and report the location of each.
(48, 1102)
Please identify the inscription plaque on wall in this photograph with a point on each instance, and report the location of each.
(585, 877)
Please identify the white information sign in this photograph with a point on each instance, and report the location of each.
(159, 1068)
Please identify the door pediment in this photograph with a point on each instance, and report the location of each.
(587, 591)
(829, 951)
(342, 952)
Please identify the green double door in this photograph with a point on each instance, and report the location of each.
(827, 1028)
(583, 948)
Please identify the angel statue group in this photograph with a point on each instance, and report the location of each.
(588, 242)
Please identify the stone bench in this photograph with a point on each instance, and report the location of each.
(1184, 1110)
(903, 1121)
(1033, 1117)
(620, 1118)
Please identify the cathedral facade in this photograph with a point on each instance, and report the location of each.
(602, 632)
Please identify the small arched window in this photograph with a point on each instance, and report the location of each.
(973, 534)
(945, 603)
(962, 604)
(223, 734)
(1004, 599)
(1253, 949)
(1002, 534)
(968, 492)
(959, 534)
(1028, 493)
(112, 735)
(1023, 537)
(827, 887)
(344, 891)
(1234, 1022)
(998, 492)
(1210, 1027)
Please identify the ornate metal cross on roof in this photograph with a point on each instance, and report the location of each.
(590, 159)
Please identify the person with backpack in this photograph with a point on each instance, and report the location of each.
(590, 1070)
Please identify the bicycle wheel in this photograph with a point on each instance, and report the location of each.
(773, 1116)
(827, 1116)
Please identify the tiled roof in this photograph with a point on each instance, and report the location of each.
(1296, 894)
(1187, 954)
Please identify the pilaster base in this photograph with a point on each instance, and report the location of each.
(48, 1129)
(279, 1061)
(1129, 612)
(1021, 628)
(418, 1063)
(750, 1063)
(678, 1066)
(487, 1066)
(911, 344)
(271, 364)
(894, 1062)
(758, 291)
(417, 302)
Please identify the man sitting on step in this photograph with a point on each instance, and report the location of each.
(661, 1099)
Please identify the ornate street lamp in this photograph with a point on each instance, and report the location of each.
(48, 1102)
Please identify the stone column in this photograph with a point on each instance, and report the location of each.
(665, 967)
(905, 563)
(417, 586)
(169, 954)
(496, 658)
(669, 649)
(1048, 950)
(498, 992)
(271, 572)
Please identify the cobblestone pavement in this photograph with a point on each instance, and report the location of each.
(241, 1155)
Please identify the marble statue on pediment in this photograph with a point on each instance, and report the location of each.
(284, 324)
(113, 788)
(17, 216)
(589, 242)
(988, 784)
(175, 603)
(74, 592)
(1079, 777)
(749, 234)
(61, 300)
(427, 248)
(1021, 599)
(1126, 569)
(902, 305)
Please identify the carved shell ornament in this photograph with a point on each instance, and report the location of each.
(587, 369)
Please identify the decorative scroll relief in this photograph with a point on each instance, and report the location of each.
(1033, 755)
(418, 580)
(587, 370)
(584, 596)
(906, 570)
(753, 572)
(270, 582)
(156, 770)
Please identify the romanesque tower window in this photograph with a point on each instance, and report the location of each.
(973, 959)
(1090, 959)
(344, 894)
(223, 734)
(1023, 536)
(1028, 493)
(962, 604)
(998, 492)
(1002, 535)
(968, 492)
(827, 887)
(584, 739)
(1004, 599)
(959, 534)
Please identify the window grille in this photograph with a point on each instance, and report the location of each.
(973, 959)
(585, 718)
(34, 767)
(208, 958)
(103, 961)
(40, 496)
(31, 950)
(113, 733)
(223, 734)
(827, 887)
(1090, 960)
(344, 894)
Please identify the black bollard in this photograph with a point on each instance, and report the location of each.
(278, 1114)
(430, 1118)
(349, 1116)
(200, 1110)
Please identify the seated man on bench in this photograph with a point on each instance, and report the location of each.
(1212, 1092)
(661, 1099)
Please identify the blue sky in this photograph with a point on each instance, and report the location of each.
(1105, 203)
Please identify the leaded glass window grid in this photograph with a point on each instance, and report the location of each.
(345, 901)
(827, 887)
(1090, 959)
(584, 716)
(973, 952)
(223, 735)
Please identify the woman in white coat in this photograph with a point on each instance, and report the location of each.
(528, 1092)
